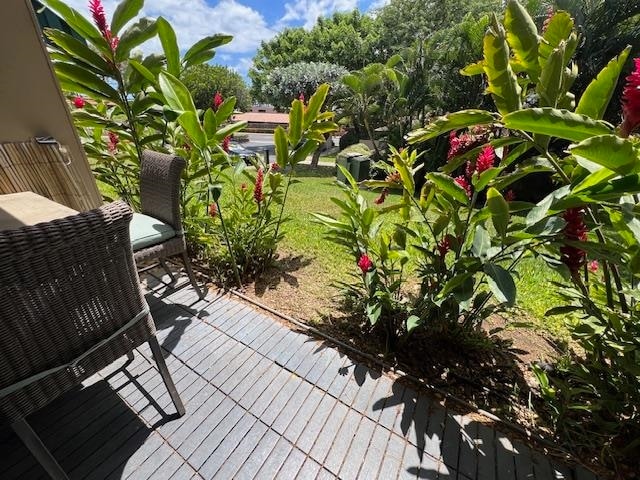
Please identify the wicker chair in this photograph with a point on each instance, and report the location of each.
(70, 304)
(157, 231)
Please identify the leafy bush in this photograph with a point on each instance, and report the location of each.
(204, 80)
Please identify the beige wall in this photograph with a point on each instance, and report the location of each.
(31, 103)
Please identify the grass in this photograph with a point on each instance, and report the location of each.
(303, 236)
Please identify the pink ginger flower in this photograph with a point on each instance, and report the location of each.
(575, 230)
(547, 20)
(275, 167)
(213, 210)
(301, 97)
(631, 101)
(444, 246)
(79, 101)
(217, 101)
(226, 143)
(510, 196)
(258, 195)
(365, 263)
(485, 159)
(112, 144)
(593, 266)
(100, 20)
(464, 183)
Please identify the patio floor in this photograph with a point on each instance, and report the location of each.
(262, 402)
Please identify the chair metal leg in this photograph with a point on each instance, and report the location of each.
(165, 267)
(192, 277)
(38, 450)
(130, 356)
(166, 377)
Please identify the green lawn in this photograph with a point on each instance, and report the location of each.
(303, 236)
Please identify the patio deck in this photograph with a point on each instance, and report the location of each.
(262, 402)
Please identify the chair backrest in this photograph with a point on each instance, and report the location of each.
(160, 187)
(65, 286)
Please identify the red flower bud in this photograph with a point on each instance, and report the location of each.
(112, 144)
(226, 143)
(217, 100)
(576, 231)
(258, 196)
(78, 101)
(213, 210)
(383, 196)
(464, 183)
(365, 263)
(593, 266)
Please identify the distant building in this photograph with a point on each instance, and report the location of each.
(263, 108)
(262, 122)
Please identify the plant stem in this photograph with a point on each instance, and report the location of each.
(284, 202)
(236, 273)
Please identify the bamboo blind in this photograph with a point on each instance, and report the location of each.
(46, 169)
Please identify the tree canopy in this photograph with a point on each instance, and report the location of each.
(346, 39)
(203, 81)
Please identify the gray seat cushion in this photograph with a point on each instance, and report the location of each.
(146, 231)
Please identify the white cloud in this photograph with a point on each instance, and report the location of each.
(242, 65)
(378, 4)
(196, 19)
(308, 11)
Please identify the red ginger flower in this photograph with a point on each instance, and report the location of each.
(485, 159)
(275, 167)
(365, 263)
(631, 101)
(383, 196)
(112, 144)
(575, 230)
(510, 196)
(213, 210)
(301, 97)
(78, 101)
(444, 246)
(459, 145)
(593, 266)
(226, 143)
(99, 17)
(217, 101)
(258, 196)
(464, 183)
(547, 20)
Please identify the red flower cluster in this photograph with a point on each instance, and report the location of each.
(575, 230)
(258, 195)
(217, 101)
(393, 178)
(275, 167)
(100, 19)
(464, 183)
(383, 196)
(631, 101)
(226, 143)
(301, 97)
(461, 144)
(365, 263)
(593, 266)
(78, 101)
(112, 144)
(510, 196)
(213, 210)
(444, 246)
(483, 162)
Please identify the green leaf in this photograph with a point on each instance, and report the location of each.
(169, 46)
(138, 33)
(215, 189)
(503, 83)
(209, 123)
(472, 69)
(301, 153)
(412, 323)
(610, 151)
(596, 97)
(373, 312)
(225, 110)
(176, 94)
(189, 121)
(481, 242)
(558, 29)
(282, 146)
(144, 71)
(549, 87)
(229, 129)
(84, 77)
(555, 123)
(501, 283)
(499, 209)
(295, 122)
(481, 181)
(203, 45)
(77, 49)
(598, 176)
(452, 121)
(448, 185)
(125, 11)
(522, 36)
(315, 104)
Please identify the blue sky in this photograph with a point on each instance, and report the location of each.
(249, 21)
